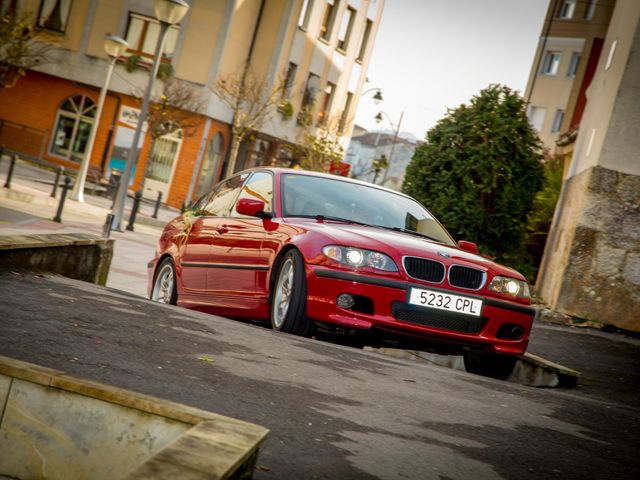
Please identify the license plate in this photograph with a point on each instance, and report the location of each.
(445, 301)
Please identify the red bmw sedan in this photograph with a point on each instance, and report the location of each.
(304, 250)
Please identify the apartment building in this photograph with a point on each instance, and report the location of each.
(569, 49)
(591, 264)
(320, 49)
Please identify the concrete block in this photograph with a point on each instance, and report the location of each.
(74, 255)
(60, 427)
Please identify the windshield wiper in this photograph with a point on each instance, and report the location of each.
(335, 219)
(412, 232)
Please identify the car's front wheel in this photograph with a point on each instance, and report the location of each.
(164, 286)
(289, 297)
(489, 364)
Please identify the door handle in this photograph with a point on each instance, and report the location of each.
(222, 229)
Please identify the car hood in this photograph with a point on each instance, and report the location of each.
(399, 244)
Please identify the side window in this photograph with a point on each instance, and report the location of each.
(223, 197)
(258, 187)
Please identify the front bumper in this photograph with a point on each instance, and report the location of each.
(391, 313)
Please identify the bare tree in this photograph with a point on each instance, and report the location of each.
(19, 50)
(318, 147)
(176, 108)
(252, 100)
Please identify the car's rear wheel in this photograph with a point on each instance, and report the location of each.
(164, 286)
(289, 297)
(489, 364)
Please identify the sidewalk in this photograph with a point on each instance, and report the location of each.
(27, 207)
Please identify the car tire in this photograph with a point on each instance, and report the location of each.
(489, 364)
(289, 297)
(164, 284)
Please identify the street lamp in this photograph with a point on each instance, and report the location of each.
(377, 97)
(168, 12)
(378, 118)
(114, 46)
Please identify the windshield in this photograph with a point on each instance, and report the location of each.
(309, 196)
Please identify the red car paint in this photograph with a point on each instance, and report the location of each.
(225, 265)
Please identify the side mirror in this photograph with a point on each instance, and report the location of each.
(468, 246)
(251, 208)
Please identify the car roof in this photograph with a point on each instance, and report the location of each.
(280, 171)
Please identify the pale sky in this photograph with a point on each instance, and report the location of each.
(433, 54)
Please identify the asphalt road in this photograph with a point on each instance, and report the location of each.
(333, 411)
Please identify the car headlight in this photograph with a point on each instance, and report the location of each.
(359, 257)
(510, 286)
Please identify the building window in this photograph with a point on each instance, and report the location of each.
(573, 64)
(209, 170)
(567, 7)
(54, 15)
(310, 90)
(329, 19)
(73, 126)
(163, 157)
(365, 40)
(344, 118)
(345, 28)
(328, 100)
(288, 80)
(142, 36)
(551, 63)
(259, 154)
(536, 117)
(591, 10)
(305, 14)
(557, 121)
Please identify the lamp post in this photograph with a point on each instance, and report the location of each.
(114, 46)
(168, 12)
(377, 97)
(378, 119)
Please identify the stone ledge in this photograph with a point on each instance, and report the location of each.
(75, 255)
(213, 446)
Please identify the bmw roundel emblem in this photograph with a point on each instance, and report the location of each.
(444, 254)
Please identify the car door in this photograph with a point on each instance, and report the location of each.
(241, 264)
(202, 227)
(199, 227)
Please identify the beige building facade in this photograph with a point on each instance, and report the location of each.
(567, 55)
(591, 265)
(320, 48)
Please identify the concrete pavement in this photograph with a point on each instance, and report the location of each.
(334, 412)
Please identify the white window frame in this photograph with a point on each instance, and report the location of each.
(329, 19)
(574, 63)
(567, 9)
(557, 121)
(536, 117)
(346, 27)
(84, 112)
(305, 14)
(591, 10)
(551, 62)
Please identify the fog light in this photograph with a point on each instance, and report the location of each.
(345, 300)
